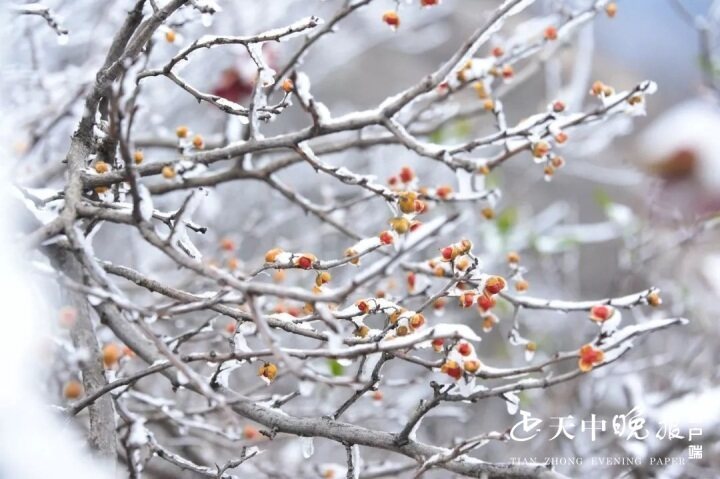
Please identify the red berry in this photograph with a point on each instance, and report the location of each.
(551, 33)
(406, 174)
(467, 299)
(601, 313)
(386, 237)
(494, 284)
(498, 52)
(443, 192)
(391, 18)
(464, 348)
(411, 280)
(305, 262)
(363, 306)
(485, 302)
(417, 321)
(452, 369)
(589, 357)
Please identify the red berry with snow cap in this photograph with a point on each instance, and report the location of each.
(601, 313)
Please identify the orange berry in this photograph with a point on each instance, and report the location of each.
(322, 278)
(557, 161)
(182, 131)
(521, 285)
(268, 371)
(439, 303)
(73, 389)
(558, 106)
(101, 189)
(611, 9)
(168, 172)
(227, 244)
(272, 255)
(561, 137)
(488, 213)
(230, 327)
(391, 18)
(250, 433)
(654, 299)
(350, 253)
(489, 105)
(287, 85)
(597, 88)
(395, 316)
(170, 36)
(198, 142)
(362, 331)
(111, 354)
(233, 264)
(550, 33)
(513, 257)
(138, 156)
(484, 170)
(589, 357)
(417, 321)
(102, 167)
(498, 52)
(279, 275)
(444, 192)
(540, 148)
(471, 365)
(480, 90)
(507, 72)
(488, 323)
(462, 264)
(377, 395)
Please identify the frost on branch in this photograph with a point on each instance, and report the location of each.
(355, 284)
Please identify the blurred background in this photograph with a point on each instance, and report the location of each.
(636, 205)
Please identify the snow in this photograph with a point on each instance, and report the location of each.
(308, 447)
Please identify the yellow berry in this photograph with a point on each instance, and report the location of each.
(102, 167)
(168, 172)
